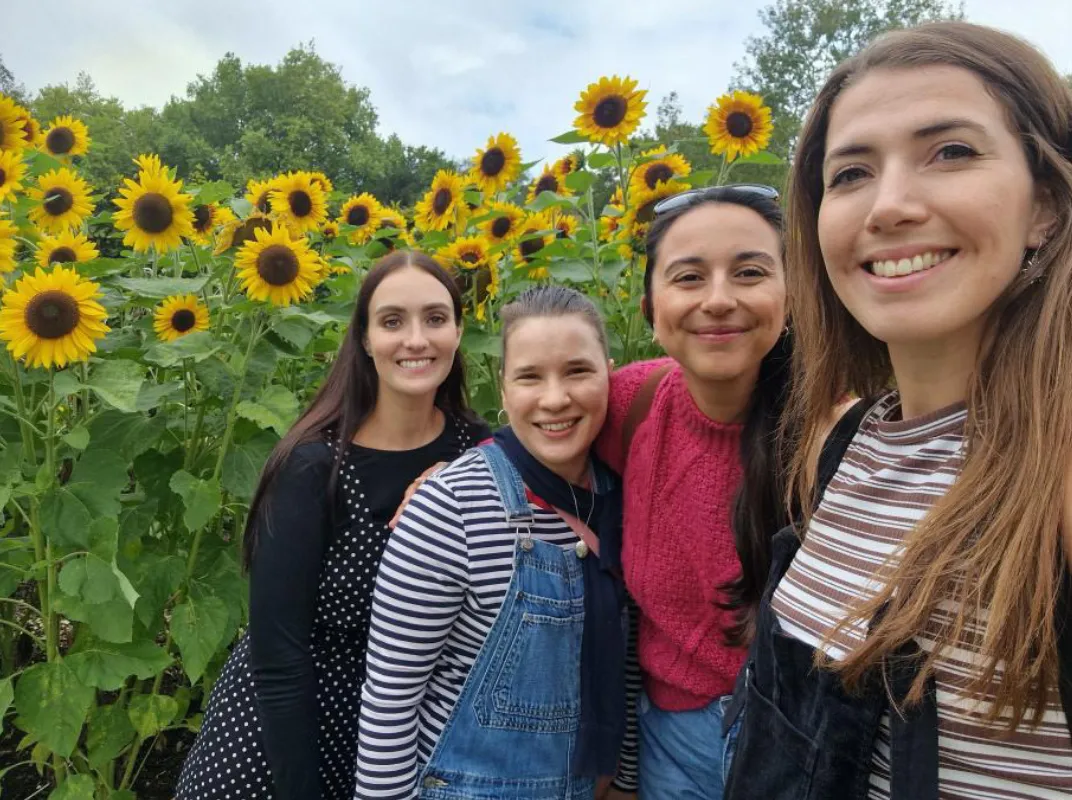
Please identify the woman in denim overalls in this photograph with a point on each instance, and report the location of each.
(497, 654)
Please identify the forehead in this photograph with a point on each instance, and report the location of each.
(409, 287)
(550, 340)
(717, 231)
(894, 102)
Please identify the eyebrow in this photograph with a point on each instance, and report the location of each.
(926, 132)
(403, 310)
(573, 362)
(742, 256)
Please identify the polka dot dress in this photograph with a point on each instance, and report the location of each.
(228, 760)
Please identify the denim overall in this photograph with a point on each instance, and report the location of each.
(512, 733)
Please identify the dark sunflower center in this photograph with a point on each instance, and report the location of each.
(3, 177)
(530, 247)
(58, 201)
(301, 204)
(263, 203)
(202, 218)
(610, 111)
(358, 215)
(471, 258)
(60, 140)
(27, 128)
(500, 227)
(547, 183)
(247, 230)
(656, 173)
(62, 255)
(152, 212)
(493, 162)
(441, 202)
(739, 124)
(183, 319)
(277, 265)
(563, 232)
(52, 314)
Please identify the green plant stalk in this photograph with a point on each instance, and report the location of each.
(228, 431)
(59, 766)
(29, 450)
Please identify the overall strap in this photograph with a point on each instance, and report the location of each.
(837, 442)
(508, 482)
(641, 405)
(1063, 622)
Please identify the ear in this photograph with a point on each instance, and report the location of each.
(1044, 218)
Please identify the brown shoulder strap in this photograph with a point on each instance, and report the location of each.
(641, 405)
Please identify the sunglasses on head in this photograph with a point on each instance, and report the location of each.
(694, 196)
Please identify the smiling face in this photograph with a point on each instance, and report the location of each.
(718, 292)
(928, 204)
(412, 335)
(555, 383)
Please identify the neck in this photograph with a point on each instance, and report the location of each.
(934, 375)
(723, 401)
(573, 472)
(400, 422)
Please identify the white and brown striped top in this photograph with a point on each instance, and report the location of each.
(891, 475)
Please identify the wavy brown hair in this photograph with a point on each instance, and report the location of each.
(993, 541)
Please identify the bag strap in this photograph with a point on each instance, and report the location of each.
(641, 405)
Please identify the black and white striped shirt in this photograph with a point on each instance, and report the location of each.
(441, 582)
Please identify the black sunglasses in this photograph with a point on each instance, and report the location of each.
(694, 196)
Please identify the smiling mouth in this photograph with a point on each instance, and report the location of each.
(557, 427)
(414, 363)
(899, 267)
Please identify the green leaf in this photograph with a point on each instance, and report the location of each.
(106, 665)
(478, 342)
(197, 346)
(128, 434)
(150, 714)
(213, 192)
(580, 180)
(547, 200)
(600, 160)
(200, 498)
(198, 627)
(90, 578)
(158, 577)
(64, 384)
(243, 464)
(52, 705)
(274, 408)
(575, 271)
(117, 382)
(99, 477)
(65, 518)
(159, 288)
(762, 157)
(153, 394)
(75, 787)
(108, 734)
(570, 137)
(7, 697)
(78, 437)
(699, 178)
(295, 331)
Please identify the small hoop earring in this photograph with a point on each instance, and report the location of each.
(499, 418)
(1029, 267)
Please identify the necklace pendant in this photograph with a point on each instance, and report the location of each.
(581, 549)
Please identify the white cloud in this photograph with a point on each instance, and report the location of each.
(441, 74)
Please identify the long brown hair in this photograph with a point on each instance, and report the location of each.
(348, 394)
(993, 541)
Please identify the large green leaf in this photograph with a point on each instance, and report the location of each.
(579, 181)
(570, 137)
(478, 342)
(112, 620)
(52, 703)
(106, 665)
(200, 498)
(213, 192)
(98, 478)
(198, 627)
(575, 271)
(7, 697)
(153, 394)
(90, 578)
(242, 465)
(130, 435)
(296, 331)
(275, 408)
(158, 577)
(75, 787)
(600, 160)
(108, 734)
(196, 346)
(65, 518)
(159, 288)
(150, 714)
(117, 382)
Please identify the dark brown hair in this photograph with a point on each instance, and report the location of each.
(550, 301)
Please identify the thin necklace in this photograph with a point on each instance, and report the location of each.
(577, 508)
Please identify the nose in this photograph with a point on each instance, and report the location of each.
(896, 200)
(719, 298)
(555, 396)
(416, 338)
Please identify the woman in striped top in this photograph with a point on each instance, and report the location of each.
(497, 651)
(931, 250)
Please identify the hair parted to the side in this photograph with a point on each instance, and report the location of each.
(550, 301)
(993, 541)
(349, 392)
(758, 509)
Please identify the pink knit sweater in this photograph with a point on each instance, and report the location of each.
(681, 476)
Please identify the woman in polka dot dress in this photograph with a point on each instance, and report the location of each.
(282, 720)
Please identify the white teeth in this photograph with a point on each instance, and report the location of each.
(906, 266)
(556, 426)
(414, 363)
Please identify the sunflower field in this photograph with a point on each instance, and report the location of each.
(156, 345)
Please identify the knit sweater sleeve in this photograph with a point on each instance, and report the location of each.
(624, 385)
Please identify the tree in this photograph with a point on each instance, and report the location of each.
(8, 84)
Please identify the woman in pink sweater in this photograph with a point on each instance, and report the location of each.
(694, 437)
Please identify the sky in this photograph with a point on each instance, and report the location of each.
(444, 74)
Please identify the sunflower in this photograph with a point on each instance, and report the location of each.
(549, 181)
(65, 248)
(179, 315)
(8, 244)
(154, 212)
(12, 169)
(323, 181)
(258, 193)
(443, 203)
(610, 110)
(31, 128)
(393, 219)
(276, 268)
(565, 226)
(298, 202)
(239, 231)
(150, 164)
(738, 125)
(13, 135)
(67, 136)
(659, 168)
(503, 222)
(497, 164)
(638, 218)
(364, 213)
(567, 164)
(329, 230)
(207, 218)
(535, 234)
(467, 253)
(63, 201)
(52, 318)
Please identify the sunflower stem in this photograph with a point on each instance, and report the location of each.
(722, 171)
(239, 385)
(51, 627)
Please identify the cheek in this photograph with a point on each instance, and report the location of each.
(669, 308)
(836, 230)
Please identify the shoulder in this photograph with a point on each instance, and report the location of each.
(471, 431)
(626, 381)
(311, 459)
